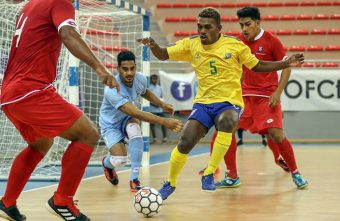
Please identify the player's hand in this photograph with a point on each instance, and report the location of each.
(147, 41)
(274, 99)
(168, 108)
(296, 59)
(173, 124)
(107, 78)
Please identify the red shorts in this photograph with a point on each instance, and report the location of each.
(258, 116)
(43, 114)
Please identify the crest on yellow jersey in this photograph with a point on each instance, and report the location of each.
(227, 56)
(197, 55)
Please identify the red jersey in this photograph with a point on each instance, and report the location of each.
(35, 48)
(265, 47)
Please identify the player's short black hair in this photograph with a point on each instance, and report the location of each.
(125, 56)
(210, 12)
(252, 12)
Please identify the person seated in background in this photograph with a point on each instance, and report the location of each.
(157, 90)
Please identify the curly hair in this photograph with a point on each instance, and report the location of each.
(210, 12)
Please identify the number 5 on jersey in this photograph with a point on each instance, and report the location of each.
(18, 31)
(213, 68)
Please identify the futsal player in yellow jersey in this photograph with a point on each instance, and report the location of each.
(217, 61)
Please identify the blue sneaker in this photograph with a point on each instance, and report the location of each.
(208, 184)
(228, 182)
(166, 190)
(299, 181)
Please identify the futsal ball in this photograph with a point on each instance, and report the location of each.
(148, 201)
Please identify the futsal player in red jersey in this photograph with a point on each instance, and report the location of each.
(39, 113)
(261, 95)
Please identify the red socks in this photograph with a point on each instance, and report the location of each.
(274, 148)
(286, 151)
(21, 170)
(74, 162)
(230, 159)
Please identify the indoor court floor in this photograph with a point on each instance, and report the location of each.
(266, 193)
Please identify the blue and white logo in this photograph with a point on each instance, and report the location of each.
(181, 90)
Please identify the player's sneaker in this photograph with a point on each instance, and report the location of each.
(135, 185)
(11, 213)
(166, 190)
(299, 181)
(216, 174)
(67, 212)
(208, 184)
(110, 174)
(281, 163)
(228, 182)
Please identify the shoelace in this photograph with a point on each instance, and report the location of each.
(72, 206)
(167, 183)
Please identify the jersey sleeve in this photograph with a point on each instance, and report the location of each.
(246, 58)
(278, 50)
(62, 13)
(114, 98)
(180, 51)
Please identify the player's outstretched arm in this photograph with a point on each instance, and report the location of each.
(160, 52)
(168, 108)
(170, 123)
(268, 66)
(77, 46)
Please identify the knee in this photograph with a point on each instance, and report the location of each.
(42, 146)
(227, 123)
(133, 130)
(118, 161)
(185, 144)
(276, 137)
(93, 135)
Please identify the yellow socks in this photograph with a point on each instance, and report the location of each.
(221, 145)
(177, 161)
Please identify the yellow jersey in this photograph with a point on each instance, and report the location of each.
(218, 67)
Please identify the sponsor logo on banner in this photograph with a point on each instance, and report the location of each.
(181, 90)
(178, 89)
(312, 90)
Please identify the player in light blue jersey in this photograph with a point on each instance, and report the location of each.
(119, 118)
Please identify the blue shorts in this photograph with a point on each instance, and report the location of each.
(207, 113)
(113, 135)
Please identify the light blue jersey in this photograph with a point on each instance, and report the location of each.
(112, 121)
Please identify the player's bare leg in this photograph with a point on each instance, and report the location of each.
(225, 124)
